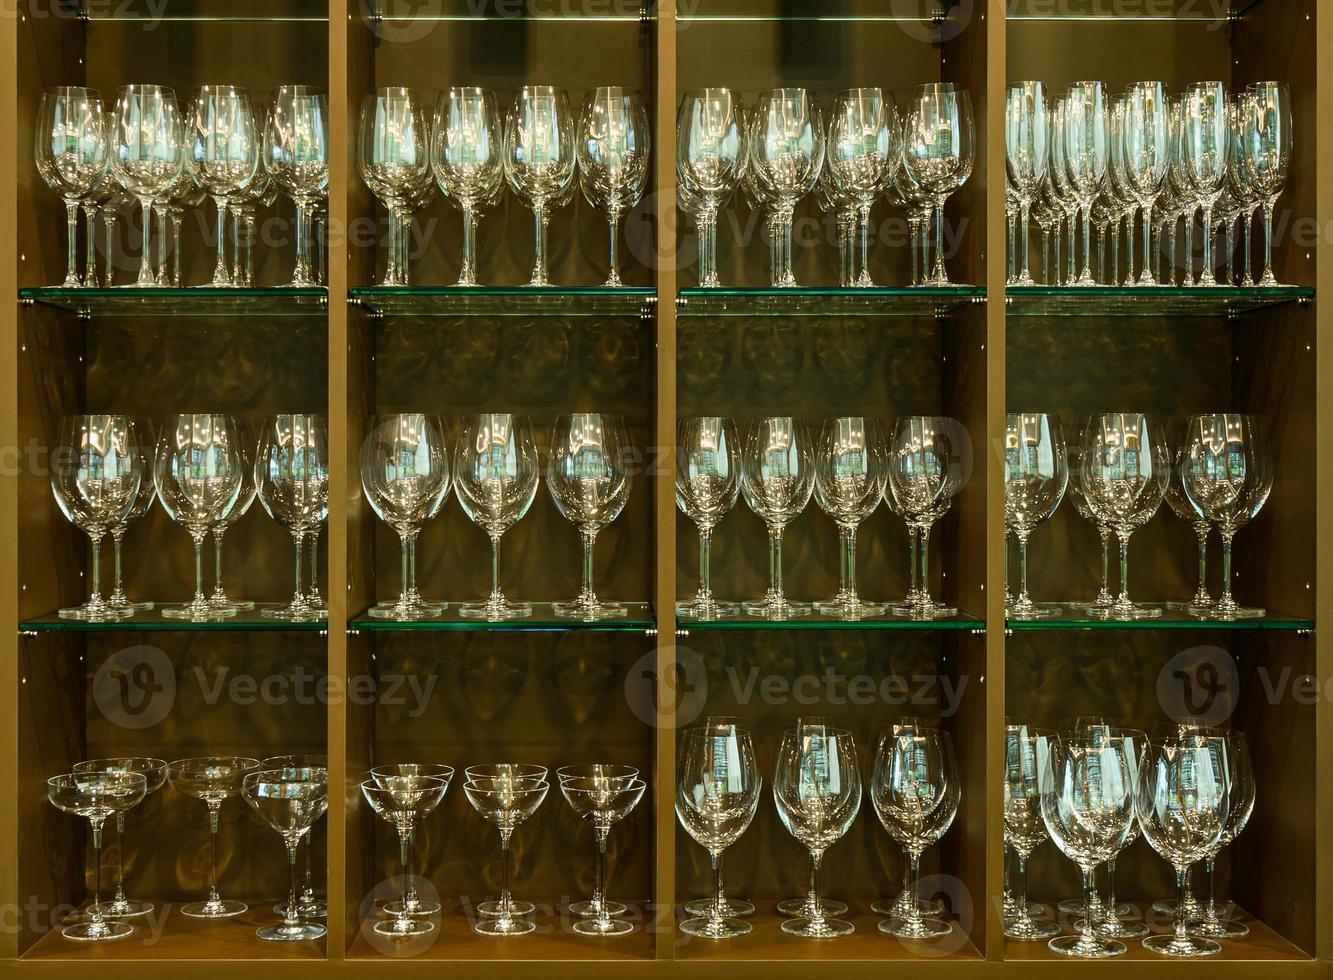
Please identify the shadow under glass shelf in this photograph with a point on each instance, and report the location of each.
(1142, 301)
(821, 301)
(187, 301)
(1075, 616)
(638, 619)
(149, 12)
(936, 13)
(493, 301)
(506, 11)
(1161, 11)
(964, 621)
(152, 621)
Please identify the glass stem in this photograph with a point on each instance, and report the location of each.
(467, 276)
(290, 919)
(923, 551)
(1268, 278)
(913, 906)
(405, 857)
(850, 538)
(213, 896)
(145, 260)
(1207, 272)
(613, 218)
(1124, 567)
(1201, 533)
(599, 894)
(717, 885)
(1021, 896)
(90, 233)
(495, 569)
(940, 275)
(589, 542)
(95, 913)
(816, 905)
(1182, 934)
(1226, 599)
(404, 590)
(1110, 891)
(220, 272)
(1087, 242)
(1024, 213)
(72, 242)
(506, 902)
(539, 244)
(864, 278)
(1146, 278)
(1245, 259)
(705, 560)
(117, 536)
(775, 562)
(218, 533)
(1087, 936)
(1105, 534)
(1211, 866)
(913, 569)
(298, 597)
(1022, 566)
(410, 891)
(120, 858)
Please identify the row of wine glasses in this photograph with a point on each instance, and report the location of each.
(913, 787)
(470, 154)
(917, 470)
(205, 471)
(1118, 472)
(150, 149)
(780, 150)
(407, 473)
(1102, 159)
(288, 792)
(1095, 788)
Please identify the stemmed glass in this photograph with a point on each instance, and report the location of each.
(850, 470)
(1027, 155)
(147, 155)
(1147, 156)
(777, 479)
(1206, 140)
(226, 155)
(296, 157)
(404, 800)
(711, 155)
(602, 800)
(96, 796)
(1025, 753)
(154, 772)
(143, 503)
(394, 159)
(721, 725)
(717, 794)
(292, 481)
(1036, 474)
(1086, 155)
(308, 904)
(289, 801)
(1227, 473)
(608, 774)
(1077, 496)
(938, 148)
(589, 481)
(1240, 804)
(244, 501)
(96, 474)
(406, 478)
(786, 154)
(391, 776)
(1266, 154)
(214, 780)
(1184, 508)
(506, 801)
(708, 480)
(613, 155)
(72, 157)
(539, 159)
(495, 478)
(862, 150)
(466, 159)
(925, 473)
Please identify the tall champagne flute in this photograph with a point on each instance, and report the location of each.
(467, 160)
(539, 160)
(147, 154)
(1147, 155)
(777, 479)
(1025, 754)
(226, 155)
(613, 155)
(786, 154)
(1027, 155)
(708, 480)
(154, 772)
(1036, 474)
(214, 780)
(711, 156)
(296, 157)
(292, 482)
(850, 473)
(1207, 137)
(862, 150)
(289, 801)
(72, 157)
(939, 147)
(1266, 155)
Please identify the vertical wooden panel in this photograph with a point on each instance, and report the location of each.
(1323, 137)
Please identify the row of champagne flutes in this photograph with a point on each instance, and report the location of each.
(780, 150)
(1146, 153)
(913, 787)
(917, 470)
(1117, 473)
(471, 154)
(1093, 789)
(288, 792)
(148, 148)
(205, 471)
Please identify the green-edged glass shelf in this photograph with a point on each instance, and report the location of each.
(1160, 11)
(1075, 616)
(494, 301)
(638, 619)
(926, 12)
(147, 13)
(824, 301)
(190, 301)
(1127, 301)
(964, 621)
(152, 621)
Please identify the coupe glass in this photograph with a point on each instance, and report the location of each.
(786, 154)
(154, 772)
(1207, 133)
(1240, 804)
(226, 155)
(1025, 753)
(289, 801)
(938, 148)
(292, 481)
(72, 157)
(412, 904)
(296, 157)
(610, 775)
(539, 159)
(850, 472)
(711, 155)
(404, 800)
(394, 158)
(708, 479)
(925, 473)
(214, 780)
(864, 144)
(1036, 474)
(467, 160)
(308, 904)
(613, 155)
(1266, 154)
(495, 477)
(1027, 155)
(148, 151)
(777, 479)
(505, 801)
(603, 801)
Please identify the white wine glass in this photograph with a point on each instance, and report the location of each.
(708, 480)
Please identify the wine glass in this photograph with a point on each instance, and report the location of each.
(308, 904)
(1207, 135)
(495, 478)
(1027, 155)
(786, 154)
(612, 775)
(1266, 154)
(289, 801)
(838, 202)
(777, 479)
(96, 796)
(613, 155)
(589, 481)
(72, 157)
(244, 500)
(1025, 753)
(148, 153)
(292, 482)
(1086, 154)
(506, 802)
(862, 150)
(1079, 498)
(1184, 508)
(717, 794)
(154, 772)
(603, 800)
(1240, 804)
(394, 157)
(711, 156)
(850, 471)
(392, 776)
(213, 779)
(708, 480)
(1036, 474)
(404, 800)
(938, 149)
(226, 155)
(466, 159)
(296, 157)
(143, 502)
(1147, 155)
(539, 159)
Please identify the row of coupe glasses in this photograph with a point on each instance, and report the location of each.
(1093, 790)
(148, 148)
(1147, 153)
(470, 154)
(205, 471)
(913, 787)
(780, 151)
(288, 792)
(505, 795)
(1118, 472)
(917, 470)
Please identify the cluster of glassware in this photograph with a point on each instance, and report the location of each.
(1118, 472)
(1093, 790)
(288, 792)
(780, 150)
(148, 148)
(917, 471)
(504, 794)
(205, 471)
(406, 475)
(914, 788)
(471, 155)
(1146, 153)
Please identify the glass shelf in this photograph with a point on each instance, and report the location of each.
(1173, 11)
(492, 301)
(1074, 616)
(1149, 301)
(192, 301)
(818, 621)
(152, 621)
(932, 12)
(543, 620)
(827, 301)
(204, 11)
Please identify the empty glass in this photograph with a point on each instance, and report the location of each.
(1025, 754)
(148, 151)
(292, 481)
(393, 154)
(938, 149)
(786, 154)
(539, 159)
(289, 801)
(777, 479)
(1147, 156)
(467, 160)
(850, 470)
(1266, 154)
(404, 800)
(72, 158)
(1036, 473)
(505, 801)
(154, 772)
(711, 154)
(214, 780)
(708, 480)
(925, 473)
(1027, 155)
(1206, 147)
(1085, 156)
(391, 775)
(308, 904)
(613, 155)
(1240, 805)
(862, 150)
(603, 800)
(296, 157)
(226, 155)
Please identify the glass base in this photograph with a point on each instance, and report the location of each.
(857, 609)
(126, 909)
(1173, 945)
(221, 909)
(1076, 908)
(130, 607)
(417, 908)
(404, 612)
(95, 614)
(805, 908)
(305, 910)
(776, 609)
(1118, 928)
(1224, 613)
(495, 611)
(1132, 611)
(231, 605)
(928, 907)
(197, 613)
(705, 609)
(1221, 929)
(589, 612)
(493, 910)
(1031, 610)
(904, 928)
(1029, 929)
(588, 910)
(1087, 948)
(925, 610)
(603, 927)
(502, 927)
(706, 928)
(304, 613)
(404, 928)
(97, 930)
(808, 928)
(1193, 908)
(1034, 909)
(732, 908)
(290, 933)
